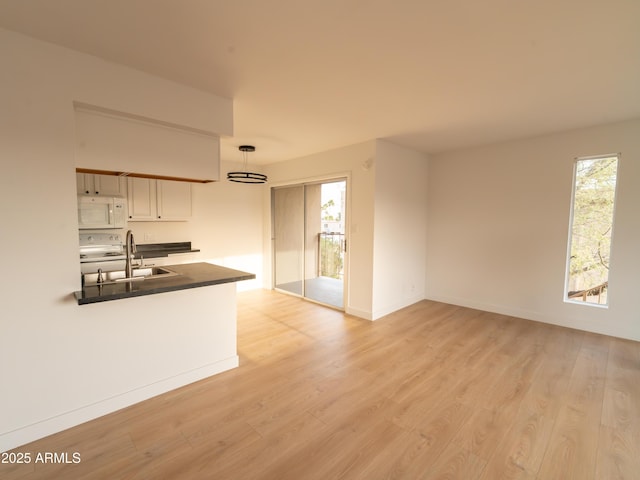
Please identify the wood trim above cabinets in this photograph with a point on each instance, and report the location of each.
(141, 175)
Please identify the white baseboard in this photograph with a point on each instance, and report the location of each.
(359, 313)
(379, 313)
(384, 311)
(575, 322)
(487, 307)
(35, 431)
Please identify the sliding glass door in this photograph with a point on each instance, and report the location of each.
(309, 240)
(288, 238)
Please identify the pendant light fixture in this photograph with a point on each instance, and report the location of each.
(245, 176)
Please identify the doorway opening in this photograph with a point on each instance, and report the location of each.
(309, 240)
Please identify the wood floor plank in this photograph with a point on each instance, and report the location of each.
(214, 459)
(431, 391)
(619, 447)
(483, 432)
(521, 450)
(456, 462)
(618, 455)
(340, 450)
(572, 449)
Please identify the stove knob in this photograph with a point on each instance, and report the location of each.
(90, 238)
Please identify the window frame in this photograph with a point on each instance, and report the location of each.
(567, 279)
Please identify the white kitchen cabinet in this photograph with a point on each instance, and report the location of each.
(173, 200)
(109, 185)
(158, 200)
(141, 199)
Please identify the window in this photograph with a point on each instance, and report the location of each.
(592, 207)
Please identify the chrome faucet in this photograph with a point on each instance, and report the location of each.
(131, 249)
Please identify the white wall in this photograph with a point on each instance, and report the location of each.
(58, 358)
(351, 160)
(498, 226)
(400, 228)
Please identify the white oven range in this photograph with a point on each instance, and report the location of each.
(103, 251)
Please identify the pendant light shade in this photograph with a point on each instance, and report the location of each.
(245, 176)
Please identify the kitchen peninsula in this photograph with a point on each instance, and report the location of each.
(189, 275)
(163, 332)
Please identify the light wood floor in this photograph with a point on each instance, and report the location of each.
(434, 391)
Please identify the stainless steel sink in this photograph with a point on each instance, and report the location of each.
(139, 274)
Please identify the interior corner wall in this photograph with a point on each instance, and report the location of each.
(358, 162)
(499, 222)
(400, 228)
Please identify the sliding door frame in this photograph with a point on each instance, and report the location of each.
(336, 177)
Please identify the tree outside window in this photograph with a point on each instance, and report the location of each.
(591, 229)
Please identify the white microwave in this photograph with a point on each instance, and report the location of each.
(101, 212)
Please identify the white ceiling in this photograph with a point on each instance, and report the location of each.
(308, 76)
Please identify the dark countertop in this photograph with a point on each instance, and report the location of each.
(192, 275)
(156, 250)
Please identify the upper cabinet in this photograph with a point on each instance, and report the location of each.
(141, 199)
(173, 200)
(110, 185)
(158, 200)
(119, 143)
